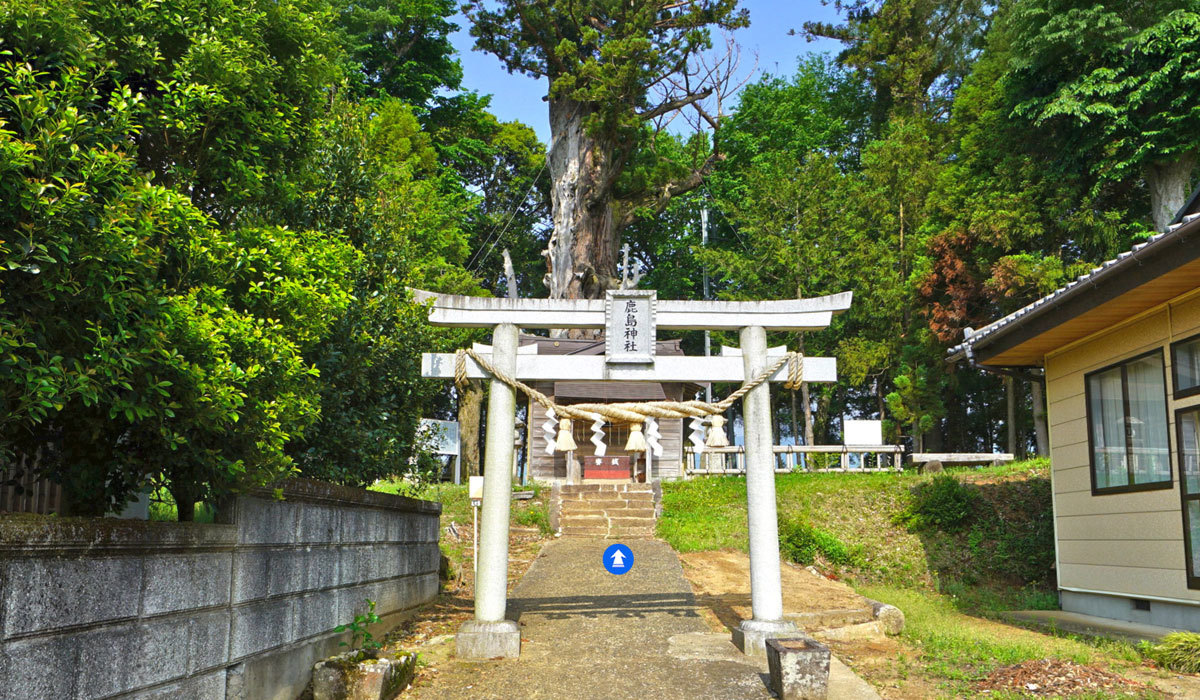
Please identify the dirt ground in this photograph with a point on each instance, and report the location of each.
(721, 583)
(431, 628)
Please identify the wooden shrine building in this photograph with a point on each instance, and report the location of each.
(548, 465)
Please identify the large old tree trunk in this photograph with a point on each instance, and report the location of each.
(1168, 184)
(582, 257)
(805, 400)
(470, 409)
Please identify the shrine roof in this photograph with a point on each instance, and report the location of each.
(610, 391)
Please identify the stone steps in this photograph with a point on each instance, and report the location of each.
(583, 510)
(606, 510)
(608, 503)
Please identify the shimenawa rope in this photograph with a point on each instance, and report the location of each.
(635, 413)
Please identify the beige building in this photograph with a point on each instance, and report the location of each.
(1120, 351)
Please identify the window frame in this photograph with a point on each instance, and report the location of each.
(1176, 392)
(1193, 581)
(1167, 483)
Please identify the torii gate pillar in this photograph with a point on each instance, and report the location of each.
(766, 594)
(489, 635)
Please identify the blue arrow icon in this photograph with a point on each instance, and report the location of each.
(618, 559)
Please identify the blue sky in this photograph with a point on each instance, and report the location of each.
(520, 97)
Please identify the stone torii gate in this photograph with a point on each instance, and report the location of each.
(631, 319)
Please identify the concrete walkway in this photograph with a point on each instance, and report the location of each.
(589, 634)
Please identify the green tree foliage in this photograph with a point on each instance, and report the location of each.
(604, 60)
(231, 89)
(1112, 84)
(400, 49)
(1011, 147)
(503, 166)
(603, 53)
(209, 232)
(143, 343)
(818, 209)
(378, 182)
(913, 53)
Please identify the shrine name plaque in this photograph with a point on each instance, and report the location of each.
(629, 326)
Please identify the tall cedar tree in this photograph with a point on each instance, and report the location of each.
(1110, 87)
(914, 53)
(604, 60)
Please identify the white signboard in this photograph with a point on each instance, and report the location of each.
(862, 432)
(629, 326)
(442, 435)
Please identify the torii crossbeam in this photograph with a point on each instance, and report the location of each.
(630, 319)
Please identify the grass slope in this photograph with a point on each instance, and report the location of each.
(858, 524)
(952, 553)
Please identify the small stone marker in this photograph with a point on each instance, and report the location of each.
(799, 668)
(618, 559)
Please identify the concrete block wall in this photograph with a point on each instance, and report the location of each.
(98, 608)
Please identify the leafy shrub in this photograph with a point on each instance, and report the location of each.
(534, 515)
(942, 504)
(1179, 651)
(801, 543)
(361, 639)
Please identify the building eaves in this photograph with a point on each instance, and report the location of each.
(1107, 270)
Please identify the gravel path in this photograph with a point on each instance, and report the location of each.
(590, 634)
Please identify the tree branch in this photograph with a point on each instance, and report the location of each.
(672, 105)
(657, 200)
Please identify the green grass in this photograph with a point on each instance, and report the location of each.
(455, 499)
(456, 508)
(533, 514)
(855, 509)
(958, 648)
(1179, 651)
(163, 509)
(704, 514)
(953, 571)
(859, 521)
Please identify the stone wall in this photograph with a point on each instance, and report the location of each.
(96, 608)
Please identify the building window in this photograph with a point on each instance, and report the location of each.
(1127, 425)
(1187, 423)
(1185, 367)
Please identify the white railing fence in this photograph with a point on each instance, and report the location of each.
(793, 458)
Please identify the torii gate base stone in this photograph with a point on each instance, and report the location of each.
(489, 635)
